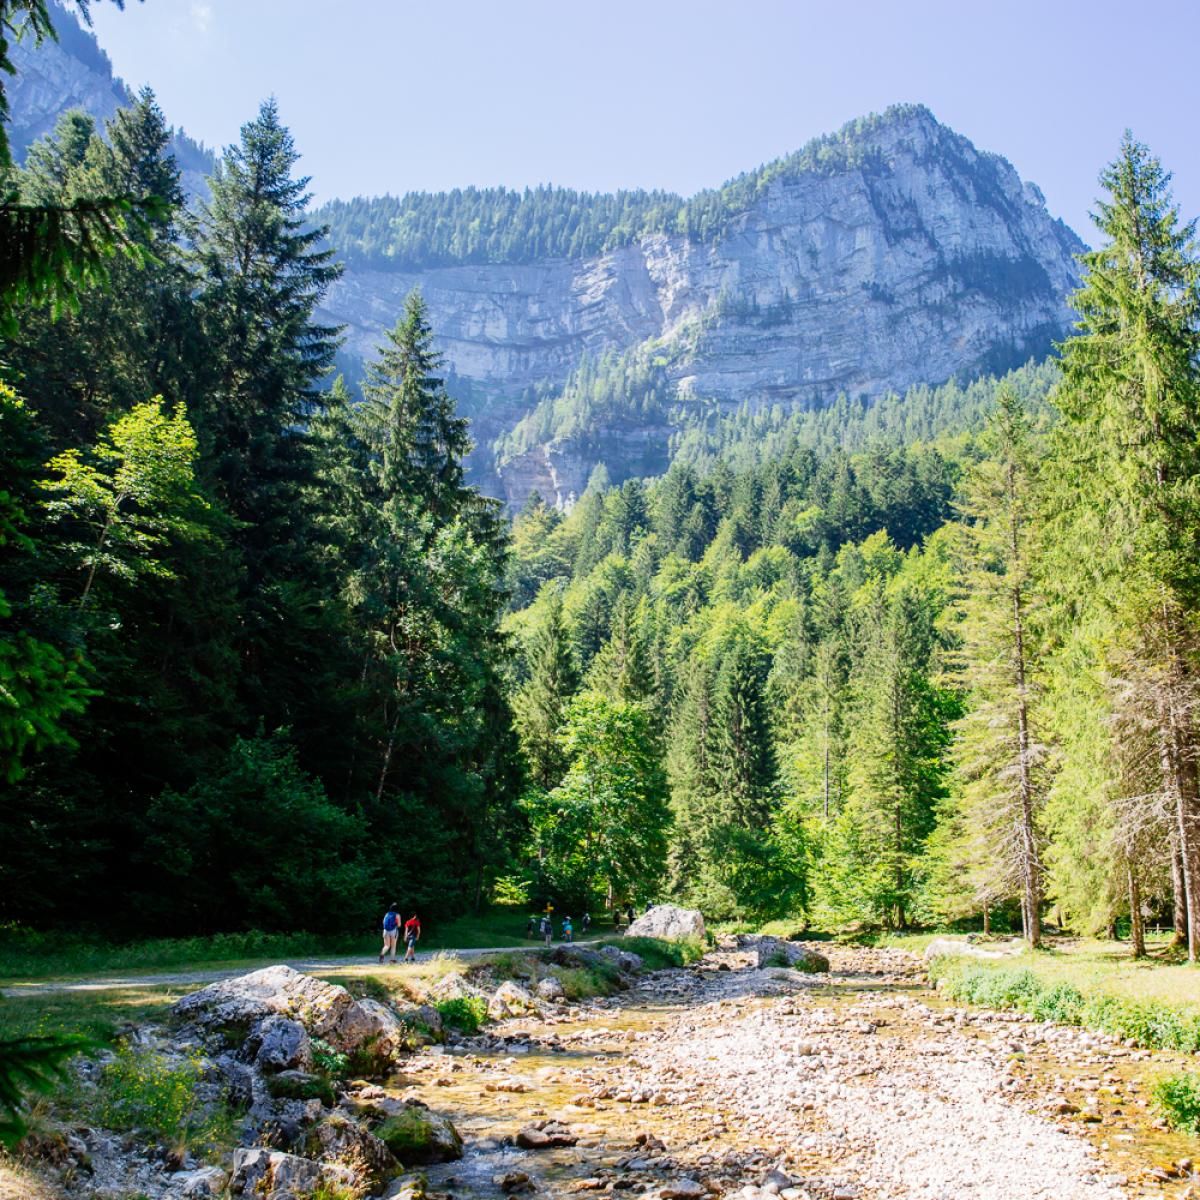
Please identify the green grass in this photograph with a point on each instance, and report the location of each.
(97, 1015)
(1177, 1098)
(658, 953)
(1149, 1021)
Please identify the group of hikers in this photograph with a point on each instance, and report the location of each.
(393, 925)
(543, 927)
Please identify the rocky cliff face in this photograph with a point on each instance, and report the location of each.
(911, 259)
(930, 260)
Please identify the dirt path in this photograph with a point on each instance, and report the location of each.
(310, 966)
(856, 1085)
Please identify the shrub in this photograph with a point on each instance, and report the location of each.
(296, 1085)
(464, 1013)
(149, 1092)
(1178, 1099)
(659, 953)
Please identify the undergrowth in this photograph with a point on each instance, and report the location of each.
(658, 953)
(1177, 1098)
(1152, 1024)
(145, 1091)
(464, 1013)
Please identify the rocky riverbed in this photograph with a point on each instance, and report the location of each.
(728, 1078)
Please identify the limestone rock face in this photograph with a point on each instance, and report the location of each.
(927, 260)
(668, 921)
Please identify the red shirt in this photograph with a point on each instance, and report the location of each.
(412, 926)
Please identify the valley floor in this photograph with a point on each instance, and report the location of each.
(859, 1084)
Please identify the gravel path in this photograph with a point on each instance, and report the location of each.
(310, 966)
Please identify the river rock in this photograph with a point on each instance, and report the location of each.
(668, 921)
(341, 1139)
(261, 1172)
(416, 1136)
(956, 948)
(510, 1000)
(776, 952)
(683, 1189)
(625, 959)
(208, 1183)
(325, 1010)
(423, 1024)
(550, 989)
(545, 1135)
(453, 987)
(283, 1045)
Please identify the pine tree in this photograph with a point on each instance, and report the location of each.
(1001, 760)
(540, 704)
(1131, 397)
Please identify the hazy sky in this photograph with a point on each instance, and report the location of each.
(393, 95)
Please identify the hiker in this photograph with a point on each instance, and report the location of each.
(585, 923)
(631, 913)
(547, 930)
(531, 928)
(391, 932)
(412, 935)
(568, 934)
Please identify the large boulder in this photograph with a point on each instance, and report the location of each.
(777, 952)
(550, 990)
(668, 921)
(416, 1136)
(248, 1003)
(341, 1140)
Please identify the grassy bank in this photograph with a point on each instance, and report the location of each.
(1095, 985)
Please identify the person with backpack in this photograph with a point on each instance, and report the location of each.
(412, 935)
(531, 928)
(547, 930)
(568, 932)
(585, 923)
(391, 932)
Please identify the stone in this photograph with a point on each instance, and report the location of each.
(668, 921)
(683, 1189)
(208, 1183)
(258, 1171)
(513, 1182)
(510, 1000)
(775, 952)
(385, 1036)
(343, 1140)
(325, 1010)
(416, 1136)
(551, 990)
(626, 960)
(960, 948)
(423, 1024)
(283, 1045)
(545, 1136)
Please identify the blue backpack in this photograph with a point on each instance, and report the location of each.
(391, 922)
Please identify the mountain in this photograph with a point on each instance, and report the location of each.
(583, 330)
(74, 72)
(590, 329)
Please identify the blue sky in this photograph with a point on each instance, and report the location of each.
(393, 95)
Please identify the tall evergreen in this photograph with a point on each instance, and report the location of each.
(540, 704)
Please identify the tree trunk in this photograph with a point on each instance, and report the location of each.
(1110, 931)
(1137, 932)
(1178, 893)
(987, 920)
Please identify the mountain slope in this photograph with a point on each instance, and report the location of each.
(890, 254)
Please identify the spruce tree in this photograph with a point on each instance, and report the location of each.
(1131, 397)
(541, 702)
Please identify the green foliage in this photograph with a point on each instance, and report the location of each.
(658, 954)
(1154, 1025)
(1177, 1098)
(464, 1013)
(30, 1065)
(328, 1061)
(143, 1091)
(298, 1086)
(299, 860)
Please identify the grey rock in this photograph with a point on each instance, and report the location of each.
(776, 952)
(625, 959)
(510, 1000)
(337, 1138)
(550, 989)
(207, 1183)
(668, 921)
(283, 1045)
(957, 948)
